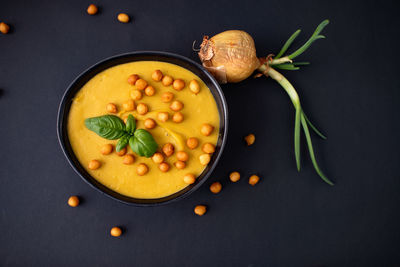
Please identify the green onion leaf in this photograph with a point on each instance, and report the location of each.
(287, 44)
(313, 127)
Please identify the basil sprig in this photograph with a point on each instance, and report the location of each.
(112, 127)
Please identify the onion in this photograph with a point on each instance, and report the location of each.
(231, 57)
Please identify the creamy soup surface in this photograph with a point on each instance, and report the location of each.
(111, 86)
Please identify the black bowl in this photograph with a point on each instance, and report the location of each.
(184, 62)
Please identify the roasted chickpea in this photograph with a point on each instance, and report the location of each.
(92, 9)
(250, 139)
(112, 108)
(122, 17)
(208, 148)
(142, 169)
(167, 97)
(253, 180)
(116, 231)
(94, 164)
(234, 176)
(106, 149)
(206, 129)
(149, 90)
(136, 94)
(180, 164)
(132, 79)
(176, 105)
(200, 210)
(192, 142)
(204, 159)
(141, 84)
(182, 156)
(216, 187)
(178, 84)
(194, 86)
(157, 75)
(129, 105)
(164, 167)
(167, 80)
(128, 159)
(73, 201)
(149, 123)
(189, 178)
(121, 152)
(177, 117)
(4, 28)
(168, 149)
(163, 116)
(142, 108)
(157, 157)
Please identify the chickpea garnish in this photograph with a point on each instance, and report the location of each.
(116, 231)
(178, 84)
(129, 105)
(106, 149)
(142, 169)
(168, 149)
(142, 108)
(206, 129)
(92, 9)
(94, 164)
(189, 178)
(180, 164)
(136, 94)
(132, 79)
(164, 167)
(167, 80)
(177, 117)
(149, 123)
(216, 187)
(253, 180)
(176, 105)
(250, 139)
(200, 210)
(204, 159)
(4, 28)
(121, 152)
(167, 97)
(194, 86)
(112, 108)
(163, 116)
(73, 201)
(122, 17)
(234, 176)
(157, 157)
(149, 90)
(182, 155)
(192, 142)
(141, 84)
(208, 148)
(128, 159)
(157, 75)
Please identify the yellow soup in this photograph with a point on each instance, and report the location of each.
(111, 86)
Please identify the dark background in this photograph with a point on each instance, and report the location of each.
(350, 91)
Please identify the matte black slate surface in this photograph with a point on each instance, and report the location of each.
(351, 91)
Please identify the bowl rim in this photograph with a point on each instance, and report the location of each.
(61, 122)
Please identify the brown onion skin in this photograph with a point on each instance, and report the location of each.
(230, 56)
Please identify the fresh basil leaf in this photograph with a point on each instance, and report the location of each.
(108, 126)
(122, 142)
(143, 143)
(130, 124)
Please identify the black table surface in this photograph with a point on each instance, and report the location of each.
(350, 91)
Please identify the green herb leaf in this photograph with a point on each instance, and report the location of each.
(130, 124)
(108, 126)
(287, 44)
(122, 142)
(143, 143)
